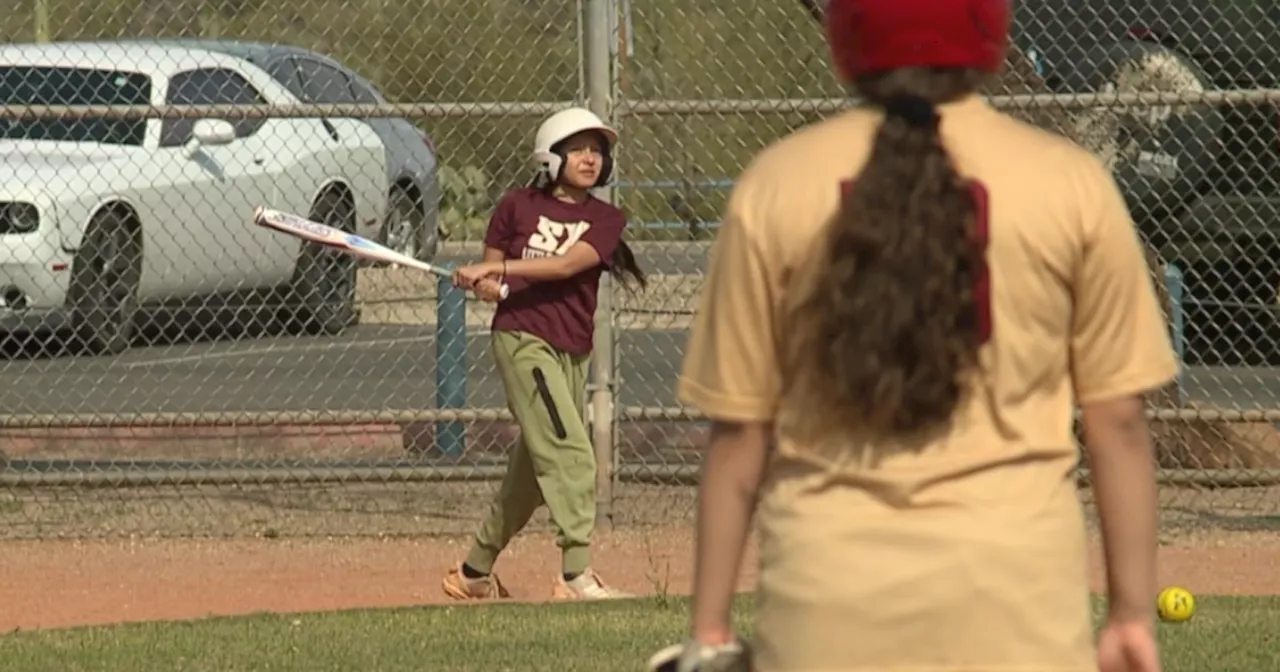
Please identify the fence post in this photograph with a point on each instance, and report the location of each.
(1173, 282)
(451, 364)
(40, 8)
(598, 50)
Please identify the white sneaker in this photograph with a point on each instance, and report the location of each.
(587, 586)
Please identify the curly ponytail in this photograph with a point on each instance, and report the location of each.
(886, 339)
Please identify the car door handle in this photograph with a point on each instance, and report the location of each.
(333, 132)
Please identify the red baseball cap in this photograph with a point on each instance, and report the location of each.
(872, 35)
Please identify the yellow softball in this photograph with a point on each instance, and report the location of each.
(1175, 604)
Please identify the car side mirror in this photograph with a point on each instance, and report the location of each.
(209, 133)
(213, 132)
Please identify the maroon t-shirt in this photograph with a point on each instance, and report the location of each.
(529, 223)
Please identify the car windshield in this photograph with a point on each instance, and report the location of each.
(29, 85)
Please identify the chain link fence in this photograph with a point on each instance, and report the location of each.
(169, 368)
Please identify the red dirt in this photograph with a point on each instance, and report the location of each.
(59, 584)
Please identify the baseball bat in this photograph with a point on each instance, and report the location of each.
(350, 243)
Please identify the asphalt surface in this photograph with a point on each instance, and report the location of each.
(377, 368)
(391, 367)
(367, 368)
(373, 367)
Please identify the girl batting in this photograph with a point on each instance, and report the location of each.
(904, 305)
(550, 242)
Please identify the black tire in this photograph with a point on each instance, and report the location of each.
(1159, 156)
(324, 283)
(405, 228)
(103, 297)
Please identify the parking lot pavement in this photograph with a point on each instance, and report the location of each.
(381, 367)
(368, 368)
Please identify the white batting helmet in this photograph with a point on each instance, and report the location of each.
(561, 126)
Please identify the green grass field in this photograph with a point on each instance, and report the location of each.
(1227, 635)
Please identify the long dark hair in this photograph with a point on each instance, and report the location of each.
(623, 265)
(884, 343)
(625, 269)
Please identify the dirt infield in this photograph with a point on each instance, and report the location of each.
(61, 584)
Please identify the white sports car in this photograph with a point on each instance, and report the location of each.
(102, 219)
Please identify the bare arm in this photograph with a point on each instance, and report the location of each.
(579, 258)
(1123, 466)
(731, 474)
(485, 287)
(732, 374)
(1120, 350)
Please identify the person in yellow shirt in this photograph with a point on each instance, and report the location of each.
(904, 305)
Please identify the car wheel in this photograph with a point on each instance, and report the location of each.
(103, 295)
(1159, 154)
(405, 227)
(324, 285)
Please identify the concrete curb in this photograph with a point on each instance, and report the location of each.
(1216, 444)
(1213, 445)
(398, 296)
(191, 443)
(485, 439)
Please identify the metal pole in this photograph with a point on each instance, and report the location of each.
(598, 55)
(41, 11)
(582, 50)
(1173, 279)
(451, 364)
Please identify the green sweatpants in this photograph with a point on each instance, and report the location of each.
(553, 463)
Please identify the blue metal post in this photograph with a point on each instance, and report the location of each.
(1173, 281)
(451, 364)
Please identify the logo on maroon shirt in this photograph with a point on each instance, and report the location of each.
(553, 238)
